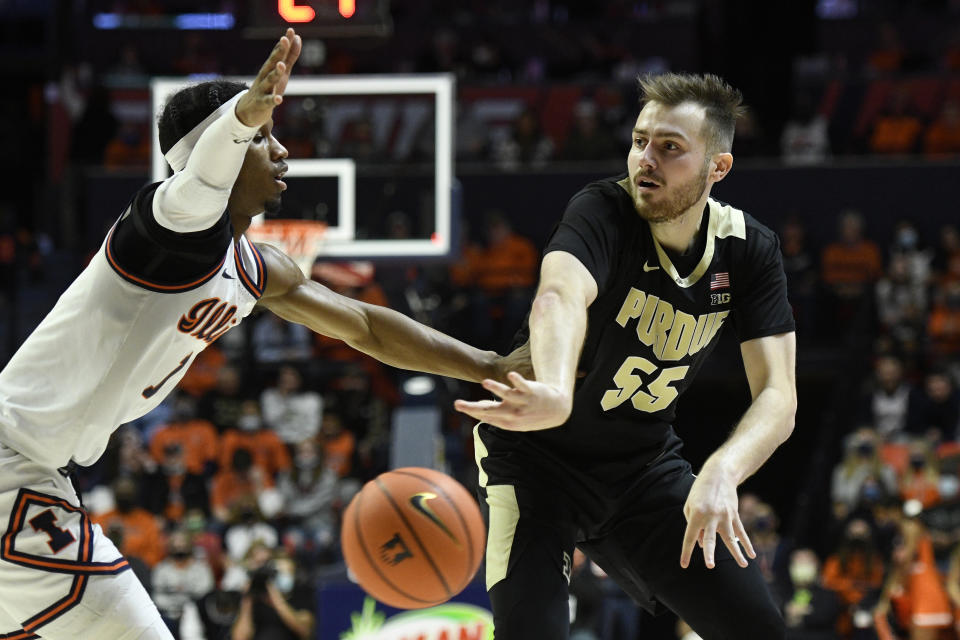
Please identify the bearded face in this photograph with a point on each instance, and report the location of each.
(672, 199)
(668, 162)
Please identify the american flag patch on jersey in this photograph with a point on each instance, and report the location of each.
(719, 280)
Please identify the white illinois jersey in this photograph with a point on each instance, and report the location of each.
(112, 348)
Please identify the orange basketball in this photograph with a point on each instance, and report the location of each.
(413, 537)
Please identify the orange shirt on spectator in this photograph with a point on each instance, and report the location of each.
(919, 486)
(943, 327)
(229, 488)
(197, 440)
(895, 134)
(509, 264)
(844, 263)
(852, 583)
(338, 452)
(942, 138)
(142, 536)
(463, 273)
(270, 455)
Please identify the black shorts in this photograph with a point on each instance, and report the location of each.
(538, 509)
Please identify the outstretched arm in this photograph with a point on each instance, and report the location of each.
(194, 199)
(711, 507)
(382, 333)
(558, 326)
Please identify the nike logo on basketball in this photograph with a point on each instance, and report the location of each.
(419, 502)
(227, 276)
(648, 268)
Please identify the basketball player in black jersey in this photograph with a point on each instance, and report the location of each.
(637, 280)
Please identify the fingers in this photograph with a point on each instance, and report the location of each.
(478, 406)
(481, 410)
(705, 535)
(733, 544)
(278, 53)
(518, 381)
(500, 390)
(741, 533)
(690, 537)
(273, 75)
(710, 544)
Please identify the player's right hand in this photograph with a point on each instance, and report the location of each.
(256, 107)
(528, 405)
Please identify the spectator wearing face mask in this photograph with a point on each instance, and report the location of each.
(277, 604)
(860, 471)
(935, 409)
(312, 493)
(247, 531)
(180, 578)
(886, 401)
(290, 410)
(196, 438)
(921, 479)
(141, 534)
(856, 567)
(810, 611)
(770, 547)
(270, 455)
(914, 603)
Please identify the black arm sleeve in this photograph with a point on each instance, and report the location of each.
(589, 232)
(151, 252)
(760, 301)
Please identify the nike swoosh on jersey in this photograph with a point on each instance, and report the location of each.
(419, 502)
(227, 276)
(647, 267)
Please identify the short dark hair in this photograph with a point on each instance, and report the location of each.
(722, 102)
(188, 107)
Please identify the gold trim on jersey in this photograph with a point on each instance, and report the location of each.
(725, 221)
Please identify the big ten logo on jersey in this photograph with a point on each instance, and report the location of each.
(719, 298)
(672, 335)
(208, 319)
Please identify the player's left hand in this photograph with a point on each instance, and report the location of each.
(711, 509)
(528, 405)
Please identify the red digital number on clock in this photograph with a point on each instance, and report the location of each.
(290, 11)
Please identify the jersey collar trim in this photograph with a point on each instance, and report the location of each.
(705, 260)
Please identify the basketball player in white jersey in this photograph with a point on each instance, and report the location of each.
(173, 275)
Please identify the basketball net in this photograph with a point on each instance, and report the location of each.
(302, 240)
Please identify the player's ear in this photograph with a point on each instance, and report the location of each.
(720, 166)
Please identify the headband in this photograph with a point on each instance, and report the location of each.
(179, 153)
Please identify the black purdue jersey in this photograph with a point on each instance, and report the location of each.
(656, 317)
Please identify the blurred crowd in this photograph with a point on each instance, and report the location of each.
(564, 92)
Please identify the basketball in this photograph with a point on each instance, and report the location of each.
(413, 537)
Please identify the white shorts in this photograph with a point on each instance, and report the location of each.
(60, 577)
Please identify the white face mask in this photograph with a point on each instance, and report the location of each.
(803, 574)
(284, 581)
(248, 423)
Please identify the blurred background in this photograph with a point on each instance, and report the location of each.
(850, 151)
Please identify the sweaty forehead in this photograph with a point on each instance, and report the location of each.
(685, 119)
